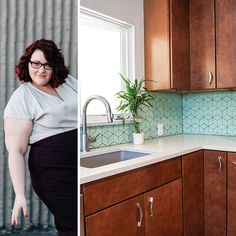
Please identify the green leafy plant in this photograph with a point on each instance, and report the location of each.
(131, 98)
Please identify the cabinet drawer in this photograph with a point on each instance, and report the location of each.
(109, 191)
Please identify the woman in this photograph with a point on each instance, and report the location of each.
(42, 112)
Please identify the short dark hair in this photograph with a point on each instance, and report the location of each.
(52, 54)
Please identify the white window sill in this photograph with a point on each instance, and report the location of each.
(102, 121)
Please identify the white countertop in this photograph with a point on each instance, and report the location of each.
(162, 148)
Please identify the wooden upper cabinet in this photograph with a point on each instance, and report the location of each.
(225, 43)
(189, 44)
(202, 44)
(156, 43)
(166, 41)
(212, 44)
(180, 52)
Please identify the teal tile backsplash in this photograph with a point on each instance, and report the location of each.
(167, 109)
(210, 113)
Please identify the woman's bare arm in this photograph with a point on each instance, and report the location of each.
(17, 132)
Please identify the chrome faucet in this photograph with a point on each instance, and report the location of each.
(109, 114)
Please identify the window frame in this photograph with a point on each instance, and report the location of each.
(88, 16)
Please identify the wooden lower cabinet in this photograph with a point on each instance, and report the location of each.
(231, 196)
(219, 193)
(215, 193)
(142, 216)
(118, 220)
(200, 201)
(163, 210)
(193, 197)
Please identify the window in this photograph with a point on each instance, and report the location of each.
(105, 49)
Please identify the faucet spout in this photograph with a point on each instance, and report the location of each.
(84, 117)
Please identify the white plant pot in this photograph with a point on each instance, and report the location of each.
(138, 138)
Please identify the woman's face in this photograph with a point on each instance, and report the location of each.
(40, 74)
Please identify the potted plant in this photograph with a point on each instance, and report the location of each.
(131, 98)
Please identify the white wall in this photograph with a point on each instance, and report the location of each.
(130, 11)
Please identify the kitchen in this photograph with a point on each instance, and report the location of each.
(194, 120)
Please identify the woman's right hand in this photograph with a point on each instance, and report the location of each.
(20, 203)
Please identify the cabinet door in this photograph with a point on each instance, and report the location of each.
(231, 211)
(193, 193)
(156, 42)
(166, 41)
(225, 43)
(202, 44)
(126, 218)
(179, 44)
(163, 210)
(215, 193)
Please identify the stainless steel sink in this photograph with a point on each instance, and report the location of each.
(109, 158)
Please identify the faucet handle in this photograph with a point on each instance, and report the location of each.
(93, 139)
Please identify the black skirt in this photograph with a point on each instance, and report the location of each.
(53, 170)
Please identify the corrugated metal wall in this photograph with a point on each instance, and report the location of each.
(21, 23)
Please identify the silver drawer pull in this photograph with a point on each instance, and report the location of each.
(220, 163)
(151, 201)
(139, 223)
(234, 162)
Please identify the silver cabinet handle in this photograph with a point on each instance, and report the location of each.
(139, 223)
(210, 77)
(151, 201)
(220, 163)
(234, 162)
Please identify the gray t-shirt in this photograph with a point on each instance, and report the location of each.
(50, 114)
